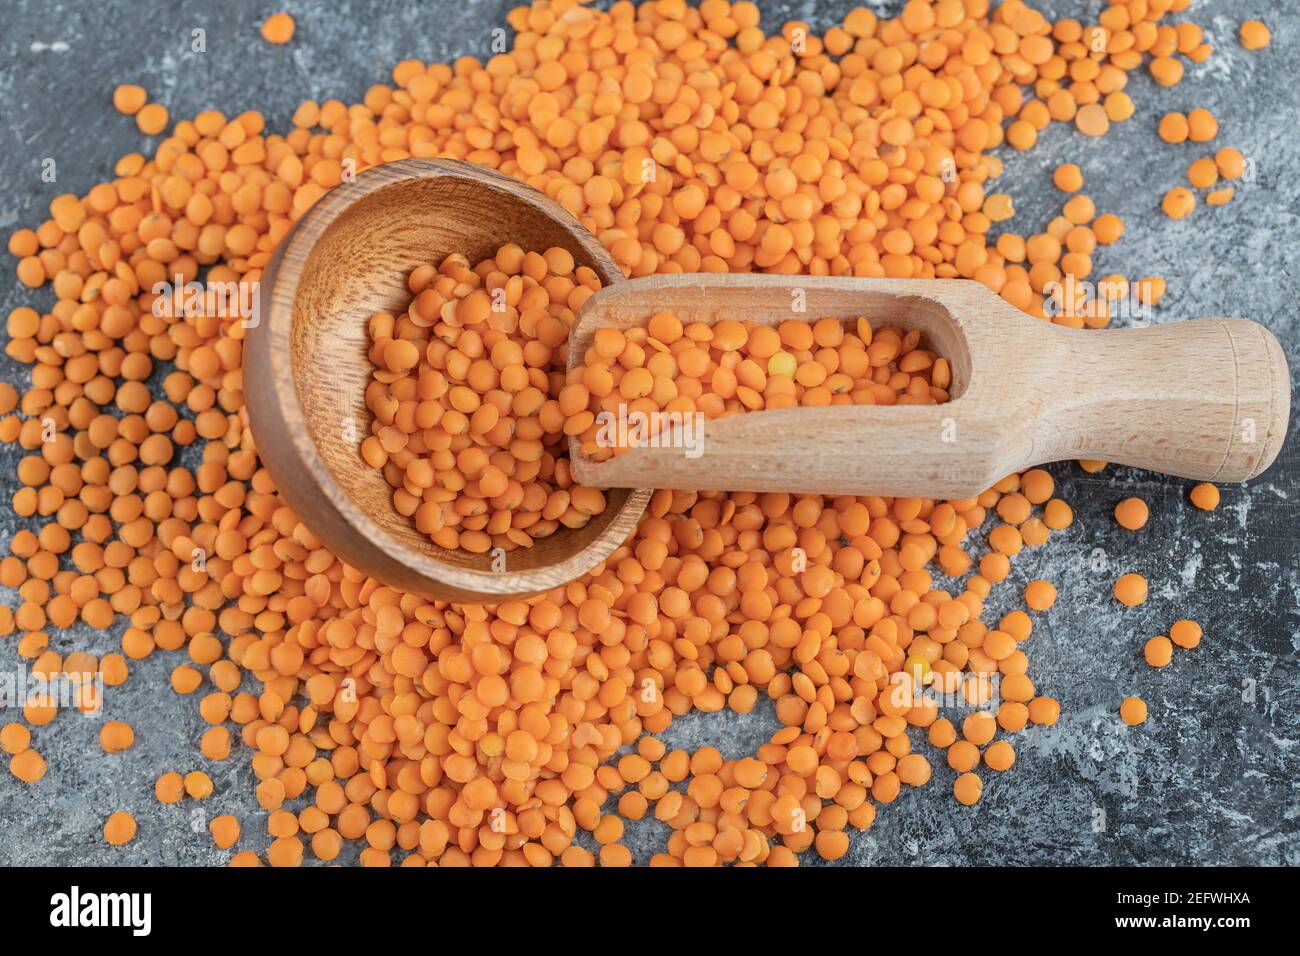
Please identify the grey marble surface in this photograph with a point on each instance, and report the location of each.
(1211, 778)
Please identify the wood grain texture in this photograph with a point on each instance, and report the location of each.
(306, 368)
(1207, 399)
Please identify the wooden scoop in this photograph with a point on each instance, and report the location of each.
(1206, 399)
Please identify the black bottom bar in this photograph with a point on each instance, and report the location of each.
(977, 905)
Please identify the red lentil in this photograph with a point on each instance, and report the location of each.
(877, 167)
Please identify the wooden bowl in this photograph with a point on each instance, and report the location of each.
(306, 368)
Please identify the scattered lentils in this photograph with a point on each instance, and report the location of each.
(129, 99)
(119, 828)
(1255, 35)
(225, 831)
(1205, 496)
(278, 28)
(1158, 651)
(412, 725)
(1131, 589)
(115, 736)
(1186, 634)
(1132, 514)
(1133, 711)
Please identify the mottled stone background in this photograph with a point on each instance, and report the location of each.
(1210, 778)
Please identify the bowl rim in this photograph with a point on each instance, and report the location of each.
(294, 461)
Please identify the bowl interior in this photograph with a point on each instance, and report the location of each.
(358, 267)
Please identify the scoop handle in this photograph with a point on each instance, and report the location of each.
(1206, 399)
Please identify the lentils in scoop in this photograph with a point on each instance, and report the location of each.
(733, 366)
